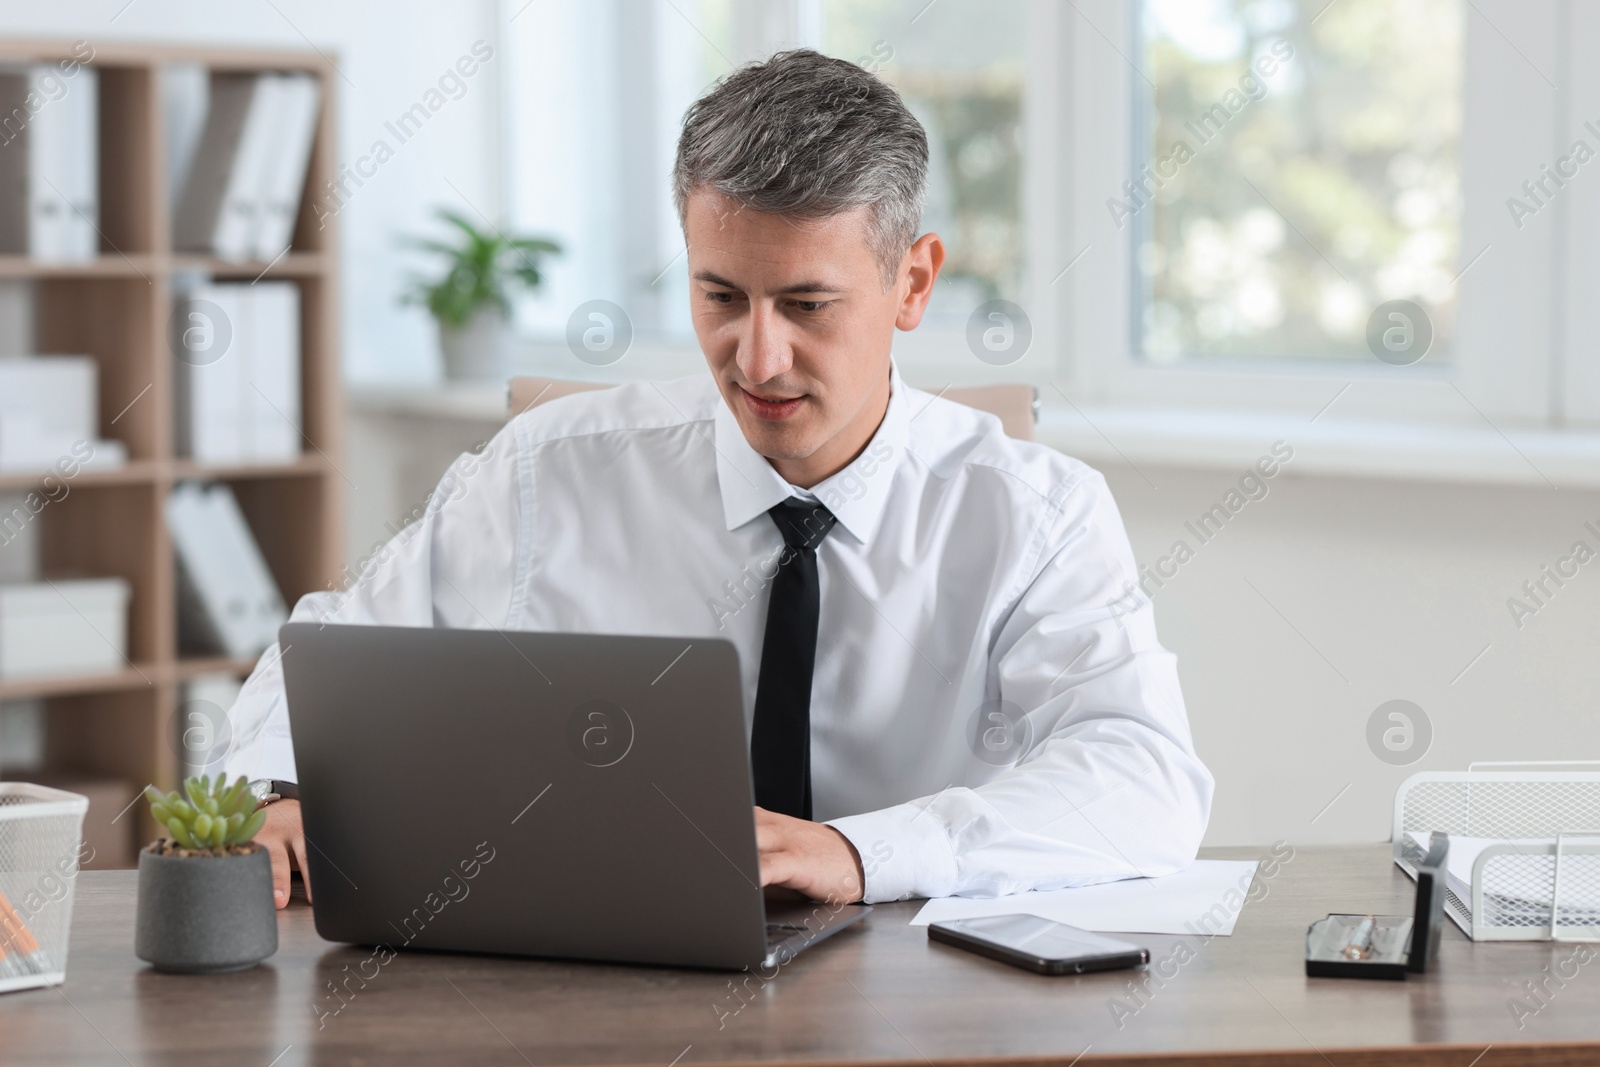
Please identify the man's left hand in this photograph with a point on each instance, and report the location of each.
(808, 857)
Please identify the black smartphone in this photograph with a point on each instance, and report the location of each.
(1039, 944)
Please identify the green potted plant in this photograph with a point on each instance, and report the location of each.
(205, 893)
(471, 301)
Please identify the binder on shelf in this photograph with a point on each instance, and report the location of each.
(243, 203)
(216, 181)
(80, 166)
(238, 384)
(49, 164)
(228, 602)
(242, 194)
(284, 178)
(185, 95)
(205, 737)
(273, 339)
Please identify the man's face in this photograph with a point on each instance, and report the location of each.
(796, 326)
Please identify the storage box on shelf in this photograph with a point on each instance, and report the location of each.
(117, 309)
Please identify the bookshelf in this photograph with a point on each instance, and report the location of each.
(116, 308)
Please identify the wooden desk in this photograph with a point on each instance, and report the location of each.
(880, 992)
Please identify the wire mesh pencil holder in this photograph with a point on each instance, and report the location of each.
(1541, 879)
(40, 835)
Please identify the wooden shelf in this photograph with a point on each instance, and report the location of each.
(190, 666)
(135, 676)
(149, 266)
(117, 309)
(138, 676)
(291, 265)
(306, 466)
(144, 471)
(112, 265)
(135, 472)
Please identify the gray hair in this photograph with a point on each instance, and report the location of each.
(806, 136)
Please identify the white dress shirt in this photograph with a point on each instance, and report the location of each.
(966, 569)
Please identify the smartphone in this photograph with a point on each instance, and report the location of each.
(1039, 944)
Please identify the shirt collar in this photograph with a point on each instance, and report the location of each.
(857, 495)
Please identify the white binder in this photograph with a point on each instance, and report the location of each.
(228, 599)
(284, 177)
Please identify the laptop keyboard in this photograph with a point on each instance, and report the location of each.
(778, 933)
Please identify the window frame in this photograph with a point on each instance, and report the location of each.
(1515, 360)
(1506, 355)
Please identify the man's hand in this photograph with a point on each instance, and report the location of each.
(809, 857)
(285, 843)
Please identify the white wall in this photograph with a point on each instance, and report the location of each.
(387, 56)
(1399, 585)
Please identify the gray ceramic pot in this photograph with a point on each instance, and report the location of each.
(205, 914)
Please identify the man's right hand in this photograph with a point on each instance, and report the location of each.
(285, 842)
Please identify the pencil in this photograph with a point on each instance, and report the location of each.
(23, 953)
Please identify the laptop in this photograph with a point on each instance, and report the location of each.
(576, 796)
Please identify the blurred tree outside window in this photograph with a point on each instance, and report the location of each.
(959, 66)
(1298, 164)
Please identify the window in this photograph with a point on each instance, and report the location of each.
(594, 172)
(959, 68)
(1339, 155)
(1300, 166)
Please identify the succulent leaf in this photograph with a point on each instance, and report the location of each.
(180, 833)
(252, 825)
(209, 813)
(234, 798)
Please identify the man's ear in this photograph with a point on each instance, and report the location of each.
(919, 270)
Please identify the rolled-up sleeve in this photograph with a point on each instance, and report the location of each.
(1107, 785)
(452, 566)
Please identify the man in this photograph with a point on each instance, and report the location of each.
(949, 691)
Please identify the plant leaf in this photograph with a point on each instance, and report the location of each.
(180, 833)
(251, 826)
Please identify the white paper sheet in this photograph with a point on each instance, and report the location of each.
(1205, 899)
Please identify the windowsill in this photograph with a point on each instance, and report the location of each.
(459, 401)
(1398, 451)
(1205, 440)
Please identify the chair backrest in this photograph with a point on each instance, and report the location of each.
(1014, 405)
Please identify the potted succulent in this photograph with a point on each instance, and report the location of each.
(205, 893)
(471, 301)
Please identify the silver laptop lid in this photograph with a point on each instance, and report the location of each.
(568, 795)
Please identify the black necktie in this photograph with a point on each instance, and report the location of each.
(780, 741)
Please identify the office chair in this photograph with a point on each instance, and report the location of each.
(1016, 406)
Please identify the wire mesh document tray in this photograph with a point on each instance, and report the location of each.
(1525, 847)
(40, 833)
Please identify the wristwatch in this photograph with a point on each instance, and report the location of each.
(266, 790)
